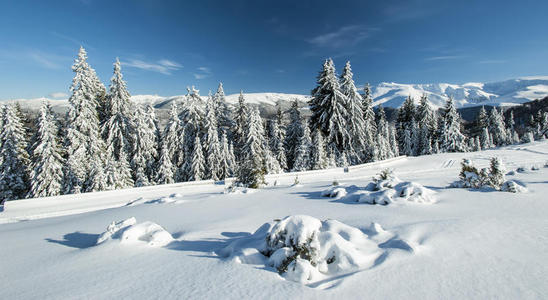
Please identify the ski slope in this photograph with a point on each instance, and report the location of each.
(469, 244)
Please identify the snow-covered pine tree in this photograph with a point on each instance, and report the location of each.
(84, 147)
(477, 144)
(165, 173)
(406, 115)
(318, 156)
(276, 143)
(496, 173)
(241, 119)
(14, 157)
(370, 126)
(192, 117)
(214, 159)
(119, 129)
(485, 139)
(302, 157)
(356, 147)
(382, 136)
(252, 167)
(232, 160)
(144, 147)
(427, 124)
(497, 127)
(172, 137)
(46, 173)
(451, 138)
(394, 149)
(197, 170)
(293, 134)
(223, 111)
(123, 172)
(152, 125)
(328, 107)
(407, 142)
(225, 166)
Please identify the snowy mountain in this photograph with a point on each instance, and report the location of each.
(502, 93)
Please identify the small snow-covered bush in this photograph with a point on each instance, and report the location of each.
(130, 231)
(496, 173)
(334, 192)
(470, 176)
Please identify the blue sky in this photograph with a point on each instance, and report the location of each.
(267, 46)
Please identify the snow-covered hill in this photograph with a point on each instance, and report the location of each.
(503, 93)
(193, 241)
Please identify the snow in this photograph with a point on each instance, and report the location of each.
(128, 231)
(470, 244)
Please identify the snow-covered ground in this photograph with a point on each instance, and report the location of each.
(193, 240)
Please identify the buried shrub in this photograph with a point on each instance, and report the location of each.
(471, 177)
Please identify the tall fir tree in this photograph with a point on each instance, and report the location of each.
(406, 115)
(252, 167)
(293, 134)
(241, 119)
(226, 165)
(356, 147)
(46, 175)
(14, 157)
(318, 155)
(213, 149)
(382, 135)
(165, 174)
(223, 111)
(192, 117)
(497, 127)
(197, 170)
(144, 147)
(370, 126)
(328, 107)
(451, 137)
(84, 147)
(172, 137)
(302, 157)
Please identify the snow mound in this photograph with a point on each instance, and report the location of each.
(129, 231)
(384, 191)
(305, 249)
(513, 186)
(237, 190)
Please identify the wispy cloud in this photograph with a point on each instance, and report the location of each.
(445, 57)
(58, 95)
(343, 37)
(74, 41)
(163, 66)
(35, 57)
(203, 72)
(492, 61)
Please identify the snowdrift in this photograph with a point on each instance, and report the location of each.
(384, 190)
(129, 231)
(305, 249)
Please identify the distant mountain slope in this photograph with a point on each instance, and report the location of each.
(502, 93)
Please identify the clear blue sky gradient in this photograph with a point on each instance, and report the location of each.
(267, 46)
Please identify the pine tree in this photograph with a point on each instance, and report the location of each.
(165, 167)
(497, 128)
(406, 115)
(451, 138)
(144, 147)
(154, 134)
(192, 117)
(84, 147)
(370, 126)
(223, 111)
(293, 134)
(231, 161)
(14, 157)
(172, 137)
(213, 148)
(276, 144)
(252, 168)
(241, 119)
(302, 158)
(226, 165)
(382, 150)
(485, 139)
(427, 126)
(496, 173)
(47, 164)
(119, 128)
(123, 172)
(197, 171)
(318, 156)
(328, 107)
(356, 146)
(394, 149)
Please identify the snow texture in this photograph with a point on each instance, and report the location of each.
(128, 231)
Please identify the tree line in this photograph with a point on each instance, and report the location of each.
(106, 142)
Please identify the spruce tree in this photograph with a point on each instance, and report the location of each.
(226, 165)
(406, 115)
(241, 119)
(451, 138)
(46, 173)
(192, 117)
(293, 134)
(172, 137)
(14, 157)
(197, 170)
(382, 150)
(144, 147)
(154, 134)
(318, 156)
(370, 126)
(356, 146)
(497, 128)
(328, 107)
(213, 149)
(252, 167)
(302, 157)
(276, 143)
(84, 147)
(223, 111)
(165, 174)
